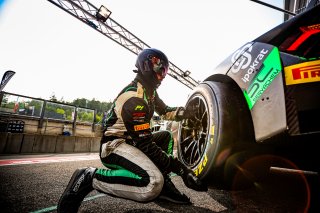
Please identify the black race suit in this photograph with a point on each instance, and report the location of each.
(136, 159)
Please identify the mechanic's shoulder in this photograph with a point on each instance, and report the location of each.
(130, 87)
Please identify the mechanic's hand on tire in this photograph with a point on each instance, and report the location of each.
(182, 113)
(188, 177)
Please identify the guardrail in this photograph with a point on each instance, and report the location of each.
(34, 125)
(23, 114)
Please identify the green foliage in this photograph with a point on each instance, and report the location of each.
(60, 111)
(85, 117)
(99, 118)
(93, 104)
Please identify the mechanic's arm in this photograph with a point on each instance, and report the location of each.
(168, 113)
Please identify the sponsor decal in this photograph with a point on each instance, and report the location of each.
(145, 134)
(270, 68)
(139, 120)
(138, 114)
(242, 60)
(76, 187)
(141, 127)
(245, 58)
(254, 65)
(139, 107)
(202, 165)
(138, 117)
(211, 134)
(302, 73)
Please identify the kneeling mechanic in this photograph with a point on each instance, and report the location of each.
(138, 161)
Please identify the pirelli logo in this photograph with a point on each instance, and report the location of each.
(303, 73)
(141, 127)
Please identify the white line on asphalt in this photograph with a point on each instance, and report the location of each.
(52, 208)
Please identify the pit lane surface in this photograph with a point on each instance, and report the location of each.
(35, 183)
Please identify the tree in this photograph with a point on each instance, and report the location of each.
(53, 98)
(80, 102)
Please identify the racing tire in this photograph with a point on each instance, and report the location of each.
(217, 140)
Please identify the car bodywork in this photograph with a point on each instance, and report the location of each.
(261, 101)
(279, 73)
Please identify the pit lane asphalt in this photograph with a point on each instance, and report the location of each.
(37, 188)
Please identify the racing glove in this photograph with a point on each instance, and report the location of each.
(188, 177)
(182, 113)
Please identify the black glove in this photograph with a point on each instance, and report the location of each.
(182, 113)
(188, 177)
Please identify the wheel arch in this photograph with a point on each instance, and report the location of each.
(221, 78)
(240, 99)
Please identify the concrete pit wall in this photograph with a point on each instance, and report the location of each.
(20, 143)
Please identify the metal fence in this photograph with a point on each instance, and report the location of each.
(16, 109)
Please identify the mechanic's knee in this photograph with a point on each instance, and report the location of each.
(153, 189)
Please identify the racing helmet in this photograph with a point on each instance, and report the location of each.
(153, 65)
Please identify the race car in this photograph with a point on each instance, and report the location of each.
(259, 109)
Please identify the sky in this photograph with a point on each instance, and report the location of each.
(54, 53)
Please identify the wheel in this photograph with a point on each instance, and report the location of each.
(215, 141)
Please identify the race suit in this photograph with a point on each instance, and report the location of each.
(137, 160)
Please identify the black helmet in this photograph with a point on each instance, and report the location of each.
(150, 63)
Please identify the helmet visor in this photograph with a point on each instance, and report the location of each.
(159, 67)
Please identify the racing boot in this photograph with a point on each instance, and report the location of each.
(171, 193)
(78, 187)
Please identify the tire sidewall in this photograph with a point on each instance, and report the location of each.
(208, 157)
(230, 134)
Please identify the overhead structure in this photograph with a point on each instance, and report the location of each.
(100, 20)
